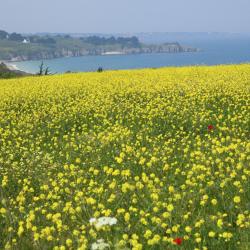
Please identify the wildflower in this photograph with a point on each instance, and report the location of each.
(20, 230)
(2, 210)
(147, 234)
(170, 207)
(127, 217)
(155, 240)
(171, 189)
(125, 237)
(220, 223)
(92, 220)
(188, 229)
(210, 127)
(178, 241)
(103, 221)
(236, 199)
(119, 159)
(78, 160)
(227, 235)
(198, 240)
(214, 202)
(211, 234)
(99, 245)
(69, 242)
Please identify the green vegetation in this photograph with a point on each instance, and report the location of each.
(130, 42)
(16, 47)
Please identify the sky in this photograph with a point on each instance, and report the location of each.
(125, 16)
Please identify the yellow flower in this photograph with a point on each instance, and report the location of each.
(171, 189)
(155, 240)
(78, 160)
(188, 229)
(36, 236)
(170, 207)
(175, 229)
(119, 159)
(20, 230)
(69, 242)
(125, 236)
(227, 235)
(236, 199)
(2, 210)
(147, 234)
(211, 234)
(219, 223)
(214, 201)
(198, 240)
(127, 217)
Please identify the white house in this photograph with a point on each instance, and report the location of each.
(26, 41)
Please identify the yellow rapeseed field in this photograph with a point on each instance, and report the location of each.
(139, 159)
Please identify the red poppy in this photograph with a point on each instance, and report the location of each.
(210, 127)
(177, 241)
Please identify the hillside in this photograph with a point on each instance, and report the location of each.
(16, 47)
(137, 159)
(5, 72)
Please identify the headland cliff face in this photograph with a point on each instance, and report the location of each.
(76, 52)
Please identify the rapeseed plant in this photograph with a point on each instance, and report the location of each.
(137, 159)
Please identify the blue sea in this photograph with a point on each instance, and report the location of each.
(213, 52)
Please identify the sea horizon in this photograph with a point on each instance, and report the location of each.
(212, 52)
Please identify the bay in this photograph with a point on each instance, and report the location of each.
(213, 52)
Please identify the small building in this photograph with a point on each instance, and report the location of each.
(25, 41)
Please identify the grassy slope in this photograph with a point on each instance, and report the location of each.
(20, 49)
(17, 49)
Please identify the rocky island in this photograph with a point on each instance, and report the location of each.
(17, 47)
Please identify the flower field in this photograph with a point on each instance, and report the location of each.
(139, 159)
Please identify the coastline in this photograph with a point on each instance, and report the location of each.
(12, 66)
(108, 53)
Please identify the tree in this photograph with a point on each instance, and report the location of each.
(47, 71)
(3, 34)
(100, 69)
(46, 41)
(16, 37)
(43, 71)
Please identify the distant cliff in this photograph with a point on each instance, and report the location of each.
(15, 47)
(66, 52)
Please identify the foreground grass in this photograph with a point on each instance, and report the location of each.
(164, 154)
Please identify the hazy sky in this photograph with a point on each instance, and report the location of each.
(115, 16)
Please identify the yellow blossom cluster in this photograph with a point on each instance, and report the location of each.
(137, 159)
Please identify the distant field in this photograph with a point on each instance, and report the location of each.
(139, 159)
